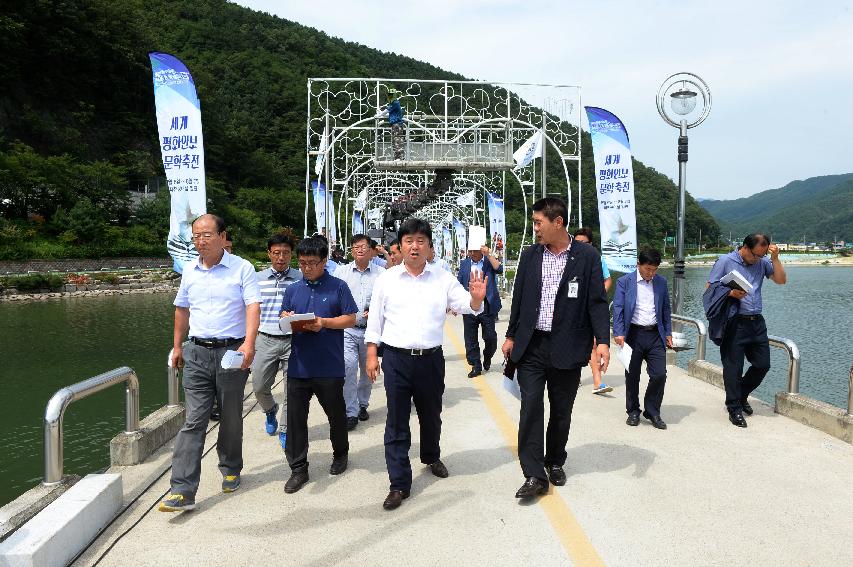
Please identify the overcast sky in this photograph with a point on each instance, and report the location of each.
(780, 73)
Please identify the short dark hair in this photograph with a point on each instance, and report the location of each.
(280, 238)
(395, 242)
(312, 247)
(321, 236)
(584, 231)
(412, 226)
(649, 256)
(228, 237)
(356, 238)
(220, 222)
(756, 238)
(552, 207)
(373, 243)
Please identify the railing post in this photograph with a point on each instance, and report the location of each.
(793, 361)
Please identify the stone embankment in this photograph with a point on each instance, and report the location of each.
(98, 284)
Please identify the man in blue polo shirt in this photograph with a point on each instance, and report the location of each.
(746, 334)
(316, 365)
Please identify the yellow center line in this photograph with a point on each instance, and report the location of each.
(565, 525)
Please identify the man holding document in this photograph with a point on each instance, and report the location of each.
(745, 335)
(316, 365)
(642, 325)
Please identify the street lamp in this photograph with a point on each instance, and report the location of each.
(683, 91)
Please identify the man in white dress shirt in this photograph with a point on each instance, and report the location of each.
(642, 319)
(407, 313)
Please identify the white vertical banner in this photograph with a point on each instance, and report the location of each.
(497, 225)
(615, 189)
(318, 163)
(448, 243)
(438, 245)
(182, 146)
(358, 222)
(319, 191)
(461, 237)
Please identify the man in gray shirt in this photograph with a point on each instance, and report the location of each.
(273, 345)
(359, 276)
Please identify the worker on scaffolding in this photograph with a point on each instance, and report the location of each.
(394, 112)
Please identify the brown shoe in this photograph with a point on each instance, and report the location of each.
(394, 499)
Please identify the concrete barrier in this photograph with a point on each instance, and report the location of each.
(66, 526)
(154, 431)
(19, 511)
(808, 411)
(817, 414)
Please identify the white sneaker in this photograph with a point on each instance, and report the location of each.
(602, 389)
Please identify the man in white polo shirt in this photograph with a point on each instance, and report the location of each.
(219, 303)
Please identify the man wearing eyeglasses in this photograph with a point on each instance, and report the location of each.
(316, 366)
(218, 302)
(360, 276)
(273, 345)
(745, 335)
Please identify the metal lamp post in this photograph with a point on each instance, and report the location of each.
(682, 91)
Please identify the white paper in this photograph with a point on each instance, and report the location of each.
(623, 353)
(511, 386)
(284, 322)
(232, 360)
(739, 279)
(476, 237)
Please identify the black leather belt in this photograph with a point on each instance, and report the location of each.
(359, 326)
(751, 317)
(215, 343)
(270, 335)
(413, 351)
(645, 327)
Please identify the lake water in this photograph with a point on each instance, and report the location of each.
(50, 344)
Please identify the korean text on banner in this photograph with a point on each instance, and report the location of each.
(497, 225)
(615, 189)
(319, 191)
(182, 146)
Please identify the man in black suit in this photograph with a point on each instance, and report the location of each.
(558, 307)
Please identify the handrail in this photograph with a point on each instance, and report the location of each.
(793, 361)
(701, 341)
(172, 383)
(55, 412)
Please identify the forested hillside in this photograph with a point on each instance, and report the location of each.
(819, 208)
(77, 124)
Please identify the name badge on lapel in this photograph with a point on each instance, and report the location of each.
(573, 288)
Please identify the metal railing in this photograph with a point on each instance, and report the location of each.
(701, 329)
(55, 412)
(793, 361)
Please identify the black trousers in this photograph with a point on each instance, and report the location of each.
(330, 394)
(535, 374)
(471, 323)
(745, 338)
(408, 378)
(645, 345)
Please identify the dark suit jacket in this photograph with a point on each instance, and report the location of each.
(625, 301)
(492, 296)
(576, 320)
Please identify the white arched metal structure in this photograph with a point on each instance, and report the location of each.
(469, 127)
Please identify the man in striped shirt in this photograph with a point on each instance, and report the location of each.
(273, 346)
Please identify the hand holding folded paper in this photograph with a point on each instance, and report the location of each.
(296, 323)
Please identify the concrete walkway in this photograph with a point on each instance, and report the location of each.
(702, 492)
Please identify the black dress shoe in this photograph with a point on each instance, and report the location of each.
(532, 487)
(474, 373)
(747, 409)
(394, 499)
(362, 414)
(339, 465)
(556, 475)
(487, 362)
(296, 481)
(439, 470)
(737, 419)
(351, 423)
(656, 420)
(633, 420)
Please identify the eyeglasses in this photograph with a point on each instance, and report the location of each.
(360, 248)
(205, 235)
(310, 265)
(279, 253)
